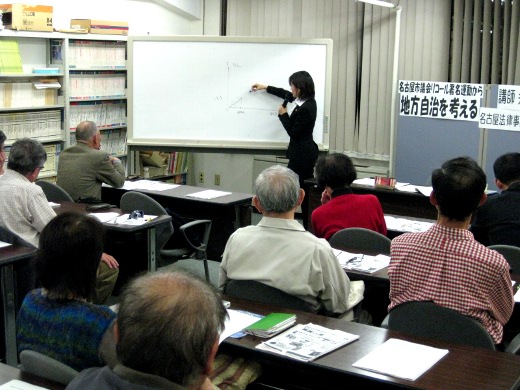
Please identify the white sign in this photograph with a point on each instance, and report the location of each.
(508, 97)
(494, 118)
(442, 100)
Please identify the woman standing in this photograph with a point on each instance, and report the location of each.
(302, 151)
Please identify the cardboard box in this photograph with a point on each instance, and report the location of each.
(100, 26)
(17, 16)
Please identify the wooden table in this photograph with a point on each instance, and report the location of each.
(227, 213)
(8, 373)
(462, 368)
(10, 255)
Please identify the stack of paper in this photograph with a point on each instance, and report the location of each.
(307, 342)
(401, 359)
(271, 325)
(361, 262)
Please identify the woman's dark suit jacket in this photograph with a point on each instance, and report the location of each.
(302, 151)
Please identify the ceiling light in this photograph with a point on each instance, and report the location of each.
(378, 2)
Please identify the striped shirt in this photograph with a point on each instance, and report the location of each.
(447, 266)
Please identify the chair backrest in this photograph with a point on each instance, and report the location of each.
(133, 200)
(426, 319)
(511, 254)
(262, 293)
(360, 239)
(54, 192)
(46, 367)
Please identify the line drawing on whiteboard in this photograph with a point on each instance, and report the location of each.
(249, 100)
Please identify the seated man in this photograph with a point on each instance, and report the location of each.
(280, 253)
(341, 208)
(25, 210)
(497, 221)
(82, 168)
(445, 264)
(167, 333)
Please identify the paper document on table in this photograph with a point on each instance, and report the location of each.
(16, 384)
(367, 181)
(405, 187)
(208, 194)
(401, 359)
(307, 342)
(125, 220)
(105, 217)
(148, 185)
(426, 191)
(237, 321)
(361, 262)
(52, 204)
(406, 225)
(3, 244)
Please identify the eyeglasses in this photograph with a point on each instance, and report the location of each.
(136, 214)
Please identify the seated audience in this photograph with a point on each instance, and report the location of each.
(497, 221)
(26, 211)
(83, 168)
(280, 253)
(56, 320)
(167, 330)
(341, 208)
(445, 264)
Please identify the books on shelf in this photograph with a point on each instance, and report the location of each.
(24, 94)
(37, 124)
(10, 60)
(97, 84)
(271, 325)
(104, 113)
(96, 54)
(307, 342)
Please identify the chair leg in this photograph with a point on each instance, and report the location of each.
(206, 269)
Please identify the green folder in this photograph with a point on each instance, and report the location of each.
(270, 323)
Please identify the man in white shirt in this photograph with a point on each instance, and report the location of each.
(280, 253)
(25, 211)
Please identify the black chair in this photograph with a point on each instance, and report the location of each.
(360, 239)
(262, 293)
(511, 254)
(54, 192)
(193, 252)
(426, 319)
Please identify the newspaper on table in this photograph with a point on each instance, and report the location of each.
(307, 342)
(361, 262)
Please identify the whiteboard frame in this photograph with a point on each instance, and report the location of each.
(212, 144)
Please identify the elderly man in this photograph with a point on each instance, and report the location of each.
(168, 330)
(25, 210)
(280, 253)
(82, 168)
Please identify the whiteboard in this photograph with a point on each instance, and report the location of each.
(196, 91)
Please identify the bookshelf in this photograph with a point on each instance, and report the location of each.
(89, 82)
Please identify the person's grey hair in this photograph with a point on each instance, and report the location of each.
(168, 324)
(26, 155)
(85, 131)
(277, 189)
